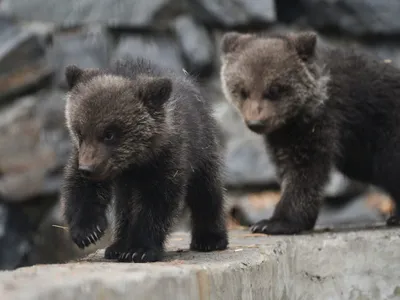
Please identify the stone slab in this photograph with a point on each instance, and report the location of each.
(357, 264)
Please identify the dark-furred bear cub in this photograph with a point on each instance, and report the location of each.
(145, 136)
(318, 107)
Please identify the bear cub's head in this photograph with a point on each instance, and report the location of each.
(114, 121)
(271, 79)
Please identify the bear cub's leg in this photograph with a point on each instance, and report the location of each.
(205, 200)
(144, 212)
(85, 205)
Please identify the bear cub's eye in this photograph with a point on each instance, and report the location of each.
(243, 94)
(109, 136)
(274, 92)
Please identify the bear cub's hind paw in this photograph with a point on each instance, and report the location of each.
(140, 255)
(210, 241)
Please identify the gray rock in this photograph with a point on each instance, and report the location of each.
(159, 48)
(359, 17)
(23, 60)
(89, 48)
(196, 45)
(34, 146)
(233, 13)
(124, 13)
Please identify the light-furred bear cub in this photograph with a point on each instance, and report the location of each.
(145, 136)
(318, 107)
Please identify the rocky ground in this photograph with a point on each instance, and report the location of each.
(349, 265)
(38, 38)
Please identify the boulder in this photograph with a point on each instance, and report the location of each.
(87, 48)
(124, 13)
(34, 146)
(196, 46)
(23, 59)
(230, 14)
(357, 17)
(160, 48)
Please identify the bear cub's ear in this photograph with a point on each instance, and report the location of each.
(233, 41)
(72, 75)
(305, 44)
(155, 91)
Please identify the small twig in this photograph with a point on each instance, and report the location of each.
(62, 227)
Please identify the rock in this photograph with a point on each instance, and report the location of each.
(34, 146)
(250, 208)
(289, 11)
(360, 17)
(230, 14)
(125, 13)
(196, 45)
(52, 242)
(23, 61)
(15, 236)
(87, 48)
(159, 48)
(333, 265)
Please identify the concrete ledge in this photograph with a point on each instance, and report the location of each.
(331, 265)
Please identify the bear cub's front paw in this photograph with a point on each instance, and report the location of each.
(87, 232)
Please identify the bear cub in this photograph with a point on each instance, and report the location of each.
(144, 137)
(318, 107)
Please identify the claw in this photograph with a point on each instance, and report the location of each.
(95, 235)
(90, 239)
(143, 256)
(84, 243)
(265, 227)
(254, 228)
(98, 228)
(133, 255)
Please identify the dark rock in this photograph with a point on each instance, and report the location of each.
(15, 236)
(231, 14)
(289, 11)
(52, 242)
(34, 146)
(87, 48)
(159, 48)
(23, 61)
(196, 45)
(121, 13)
(358, 17)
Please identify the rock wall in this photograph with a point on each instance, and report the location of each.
(38, 38)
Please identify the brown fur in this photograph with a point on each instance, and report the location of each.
(318, 108)
(146, 136)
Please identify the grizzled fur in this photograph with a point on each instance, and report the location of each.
(147, 137)
(318, 108)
